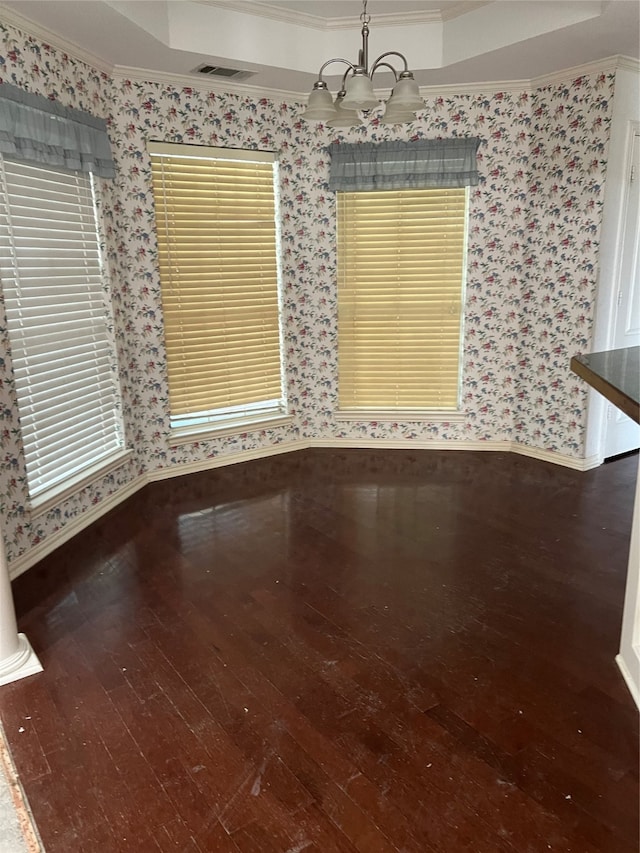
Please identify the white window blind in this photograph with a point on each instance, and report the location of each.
(57, 309)
(400, 287)
(216, 227)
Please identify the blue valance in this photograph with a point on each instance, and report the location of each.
(37, 130)
(421, 164)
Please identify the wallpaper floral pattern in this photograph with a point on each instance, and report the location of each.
(532, 263)
(26, 62)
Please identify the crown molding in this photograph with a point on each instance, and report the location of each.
(201, 81)
(143, 75)
(482, 88)
(390, 19)
(208, 84)
(628, 63)
(457, 10)
(315, 22)
(609, 63)
(47, 36)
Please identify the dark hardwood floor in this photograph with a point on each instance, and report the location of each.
(337, 651)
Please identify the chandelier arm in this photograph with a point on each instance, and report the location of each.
(343, 82)
(329, 61)
(389, 53)
(386, 65)
(359, 93)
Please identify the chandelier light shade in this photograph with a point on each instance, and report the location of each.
(320, 106)
(360, 94)
(406, 94)
(343, 117)
(357, 89)
(397, 115)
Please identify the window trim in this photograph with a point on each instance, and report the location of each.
(103, 467)
(188, 435)
(402, 415)
(43, 497)
(200, 426)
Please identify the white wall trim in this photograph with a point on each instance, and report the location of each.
(200, 82)
(222, 429)
(225, 459)
(123, 72)
(634, 687)
(629, 63)
(306, 19)
(407, 444)
(209, 84)
(203, 83)
(55, 540)
(438, 444)
(76, 525)
(556, 458)
(375, 444)
(82, 481)
(15, 19)
(609, 63)
(625, 118)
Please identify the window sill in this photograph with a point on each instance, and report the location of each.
(57, 494)
(205, 432)
(450, 416)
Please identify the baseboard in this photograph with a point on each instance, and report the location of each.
(556, 458)
(31, 557)
(72, 528)
(634, 687)
(408, 444)
(226, 459)
(438, 444)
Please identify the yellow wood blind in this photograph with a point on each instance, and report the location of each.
(400, 280)
(218, 270)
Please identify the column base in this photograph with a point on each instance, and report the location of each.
(24, 662)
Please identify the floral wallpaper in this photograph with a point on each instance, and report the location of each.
(567, 166)
(38, 67)
(534, 224)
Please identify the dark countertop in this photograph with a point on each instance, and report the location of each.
(615, 374)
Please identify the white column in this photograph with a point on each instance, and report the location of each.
(17, 658)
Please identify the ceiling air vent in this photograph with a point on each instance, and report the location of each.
(223, 73)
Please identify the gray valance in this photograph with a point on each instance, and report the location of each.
(37, 130)
(404, 165)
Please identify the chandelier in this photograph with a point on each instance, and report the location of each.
(356, 91)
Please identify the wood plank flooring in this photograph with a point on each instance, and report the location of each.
(337, 651)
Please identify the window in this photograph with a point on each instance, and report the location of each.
(216, 220)
(402, 213)
(401, 262)
(59, 325)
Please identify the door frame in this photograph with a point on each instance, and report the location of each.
(624, 125)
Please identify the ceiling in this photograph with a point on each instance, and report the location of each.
(284, 42)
